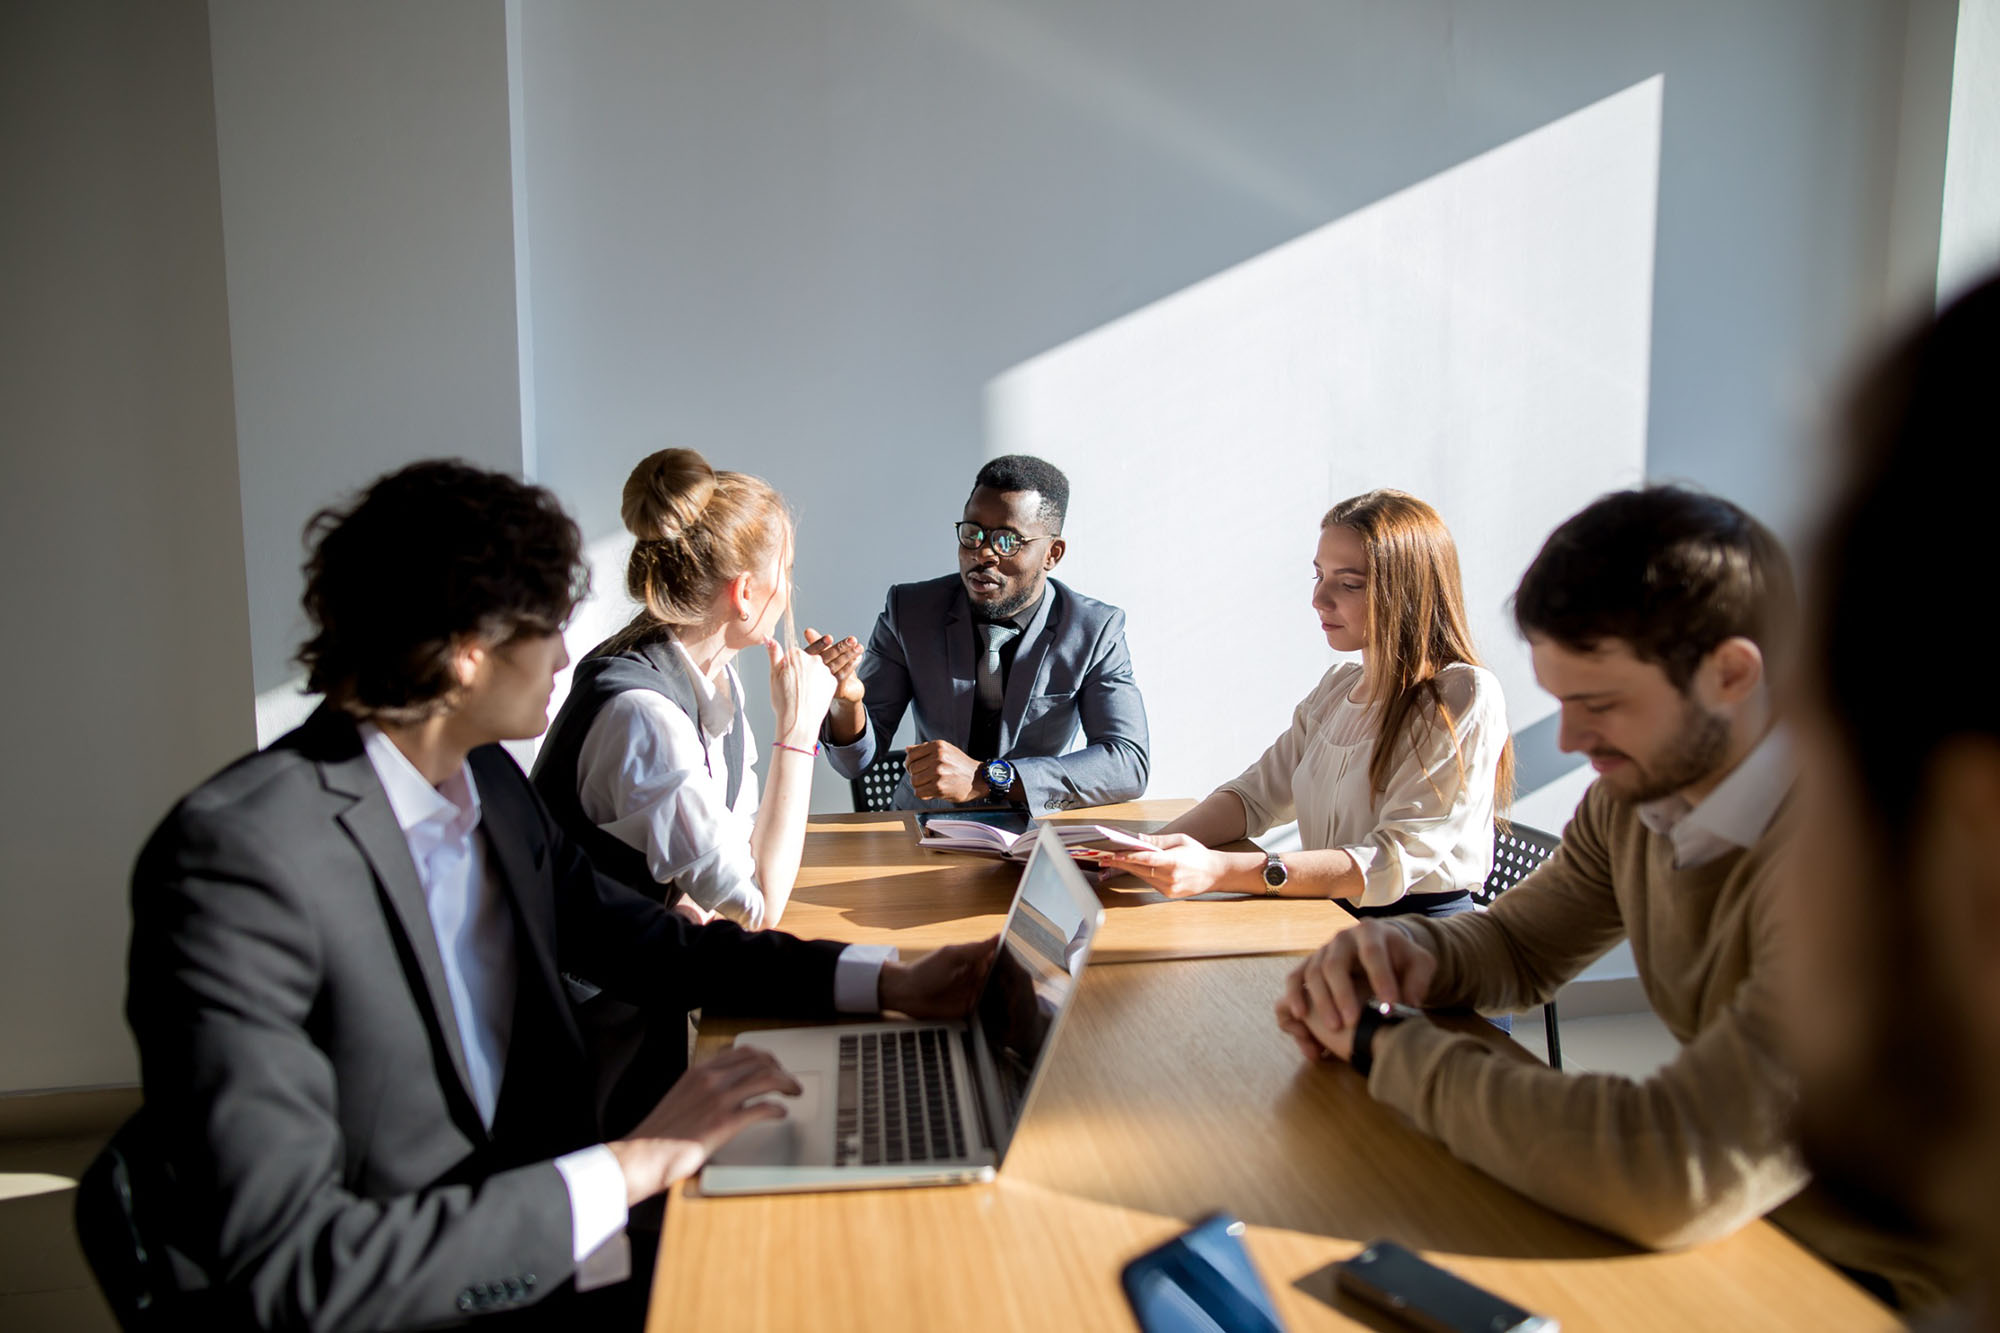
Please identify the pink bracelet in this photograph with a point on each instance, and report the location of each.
(810, 754)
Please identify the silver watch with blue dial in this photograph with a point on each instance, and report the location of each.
(1000, 775)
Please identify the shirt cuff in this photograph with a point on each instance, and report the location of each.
(857, 980)
(596, 1204)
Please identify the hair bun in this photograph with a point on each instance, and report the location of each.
(666, 495)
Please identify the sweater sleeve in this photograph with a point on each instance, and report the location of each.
(1537, 935)
(1684, 1156)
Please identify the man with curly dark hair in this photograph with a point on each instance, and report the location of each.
(367, 1103)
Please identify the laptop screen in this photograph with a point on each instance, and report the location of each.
(1033, 978)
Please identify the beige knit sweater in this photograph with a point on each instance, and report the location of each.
(1693, 1152)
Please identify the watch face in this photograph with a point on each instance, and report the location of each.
(999, 774)
(1275, 872)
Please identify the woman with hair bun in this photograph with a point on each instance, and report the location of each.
(1394, 766)
(650, 762)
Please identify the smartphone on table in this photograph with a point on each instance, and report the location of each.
(1201, 1281)
(1423, 1296)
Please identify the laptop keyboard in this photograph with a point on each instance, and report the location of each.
(898, 1099)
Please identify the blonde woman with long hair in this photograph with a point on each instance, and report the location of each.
(1394, 766)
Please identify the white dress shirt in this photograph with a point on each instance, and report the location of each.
(1734, 815)
(475, 937)
(650, 779)
(648, 776)
(1431, 829)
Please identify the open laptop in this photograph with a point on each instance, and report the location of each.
(890, 1104)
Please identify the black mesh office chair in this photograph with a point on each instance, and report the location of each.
(1517, 849)
(875, 789)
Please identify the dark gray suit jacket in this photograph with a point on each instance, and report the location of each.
(303, 1067)
(1076, 674)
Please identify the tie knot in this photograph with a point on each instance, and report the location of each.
(997, 636)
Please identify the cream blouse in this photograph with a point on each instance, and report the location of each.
(1430, 831)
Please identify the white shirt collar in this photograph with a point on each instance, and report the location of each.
(1735, 814)
(453, 807)
(716, 697)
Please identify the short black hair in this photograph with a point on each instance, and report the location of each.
(1025, 472)
(423, 558)
(1669, 571)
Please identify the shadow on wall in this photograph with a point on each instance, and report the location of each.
(1480, 339)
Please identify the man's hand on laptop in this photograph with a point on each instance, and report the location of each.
(941, 984)
(702, 1111)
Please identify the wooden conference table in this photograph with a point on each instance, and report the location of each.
(1170, 1095)
(864, 881)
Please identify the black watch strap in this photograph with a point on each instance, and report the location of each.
(1375, 1015)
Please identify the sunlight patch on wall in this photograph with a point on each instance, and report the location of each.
(1481, 339)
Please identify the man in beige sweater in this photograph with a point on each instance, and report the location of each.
(1653, 617)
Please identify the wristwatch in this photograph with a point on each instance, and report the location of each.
(999, 775)
(1375, 1015)
(1275, 874)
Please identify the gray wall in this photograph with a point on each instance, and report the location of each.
(367, 199)
(805, 237)
(127, 670)
(1969, 241)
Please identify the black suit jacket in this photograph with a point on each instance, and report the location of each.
(302, 1062)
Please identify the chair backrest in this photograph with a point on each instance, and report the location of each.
(875, 789)
(119, 1199)
(1517, 849)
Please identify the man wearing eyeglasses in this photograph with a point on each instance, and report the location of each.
(1003, 664)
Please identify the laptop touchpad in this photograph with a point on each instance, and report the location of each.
(803, 1138)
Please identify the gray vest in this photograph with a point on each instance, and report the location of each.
(600, 678)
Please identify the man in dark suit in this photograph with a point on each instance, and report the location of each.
(361, 1071)
(1003, 664)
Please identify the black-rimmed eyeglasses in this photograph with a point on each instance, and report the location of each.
(1004, 541)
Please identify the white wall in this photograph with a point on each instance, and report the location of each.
(1969, 240)
(127, 669)
(1479, 339)
(367, 191)
(804, 237)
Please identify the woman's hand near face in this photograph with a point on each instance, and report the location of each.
(801, 692)
(1178, 866)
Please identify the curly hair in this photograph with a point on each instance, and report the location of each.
(424, 559)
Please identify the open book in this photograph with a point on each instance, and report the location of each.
(944, 834)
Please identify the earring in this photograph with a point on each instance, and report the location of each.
(745, 617)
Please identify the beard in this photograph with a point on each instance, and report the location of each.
(1008, 609)
(1699, 746)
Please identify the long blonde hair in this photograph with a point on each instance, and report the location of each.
(695, 529)
(1416, 625)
